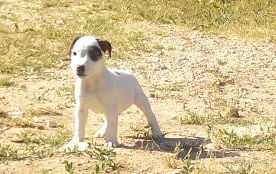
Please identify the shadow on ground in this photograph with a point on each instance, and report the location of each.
(182, 147)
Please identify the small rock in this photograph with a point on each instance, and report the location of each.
(152, 95)
(51, 123)
(16, 114)
(177, 171)
(14, 134)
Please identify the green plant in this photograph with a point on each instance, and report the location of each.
(144, 132)
(106, 157)
(240, 167)
(194, 118)
(7, 153)
(45, 171)
(257, 142)
(187, 166)
(5, 82)
(42, 111)
(69, 168)
(54, 140)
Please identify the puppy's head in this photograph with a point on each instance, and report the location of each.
(87, 54)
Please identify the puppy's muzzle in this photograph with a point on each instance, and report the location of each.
(80, 70)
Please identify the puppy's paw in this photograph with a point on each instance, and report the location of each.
(157, 135)
(111, 144)
(100, 133)
(158, 138)
(72, 146)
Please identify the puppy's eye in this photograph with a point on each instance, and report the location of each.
(93, 55)
(74, 53)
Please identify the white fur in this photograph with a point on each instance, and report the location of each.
(104, 91)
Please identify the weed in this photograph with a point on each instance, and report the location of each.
(33, 151)
(5, 82)
(171, 162)
(61, 137)
(240, 167)
(45, 171)
(15, 122)
(69, 168)
(106, 157)
(194, 118)
(257, 142)
(187, 166)
(171, 90)
(42, 111)
(7, 153)
(144, 132)
(53, 140)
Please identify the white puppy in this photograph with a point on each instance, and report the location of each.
(104, 91)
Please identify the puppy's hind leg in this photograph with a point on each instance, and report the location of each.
(102, 131)
(142, 102)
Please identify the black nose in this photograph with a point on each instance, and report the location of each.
(80, 70)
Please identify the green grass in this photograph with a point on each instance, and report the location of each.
(42, 111)
(7, 153)
(39, 37)
(69, 168)
(34, 145)
(4, 82)
(258, 142)
(38, 145)
(15, 122)
(244, 17)
(195, 118)
(241, 167)
(39, 138)
(105, 160)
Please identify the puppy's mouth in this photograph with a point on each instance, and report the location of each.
(81, 75)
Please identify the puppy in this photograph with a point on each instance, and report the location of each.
(104, 91)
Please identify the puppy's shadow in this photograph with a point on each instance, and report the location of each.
(194, 147)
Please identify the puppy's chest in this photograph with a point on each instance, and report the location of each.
(92, 101)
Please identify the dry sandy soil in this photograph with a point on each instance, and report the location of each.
(188, 72)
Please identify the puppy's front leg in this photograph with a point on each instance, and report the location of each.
(112, 128)
(80, 119)
(81, 114)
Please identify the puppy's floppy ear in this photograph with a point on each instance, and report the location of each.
(72, 44)
(105, 46)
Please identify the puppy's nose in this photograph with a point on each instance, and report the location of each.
(80, 70)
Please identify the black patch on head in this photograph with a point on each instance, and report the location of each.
(117, 73)
(94, 53)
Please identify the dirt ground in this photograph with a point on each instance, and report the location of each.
(181, 76)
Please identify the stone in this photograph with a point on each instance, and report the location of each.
(16, 114)
(51, 123)
(176, 171)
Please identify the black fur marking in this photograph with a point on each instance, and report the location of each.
(94, 53)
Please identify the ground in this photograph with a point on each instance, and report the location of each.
(214, 97)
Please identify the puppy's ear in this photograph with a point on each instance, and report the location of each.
(105, 46)
(72, 44)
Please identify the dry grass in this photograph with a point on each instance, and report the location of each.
(35, 36)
